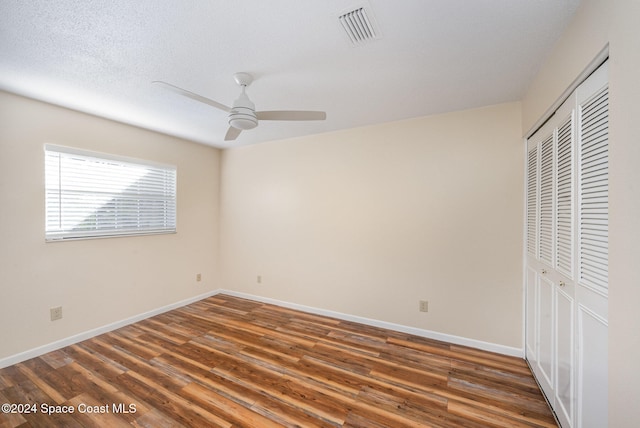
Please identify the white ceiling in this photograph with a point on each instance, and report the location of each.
(432, 56)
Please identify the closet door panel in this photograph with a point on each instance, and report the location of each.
(593, 250)
(545, 335)
(592, 373)
(531, 317)
(565, 367)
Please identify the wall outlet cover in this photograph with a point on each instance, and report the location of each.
(56, 313)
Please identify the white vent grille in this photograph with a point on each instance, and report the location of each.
(358, 24)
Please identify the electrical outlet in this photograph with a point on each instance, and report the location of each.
(56, 313)
(424, 306)
(259, 279)
(198, 277)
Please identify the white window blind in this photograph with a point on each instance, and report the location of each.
(91, 195)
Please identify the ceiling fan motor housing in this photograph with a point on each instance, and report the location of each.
(243, 114)
(242, 118)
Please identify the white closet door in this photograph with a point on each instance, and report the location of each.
(565, 373)
(593, 248)
(567, 255)
(540, 286)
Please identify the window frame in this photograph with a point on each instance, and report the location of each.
(147, 193)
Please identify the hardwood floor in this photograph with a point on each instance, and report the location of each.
(231, 362)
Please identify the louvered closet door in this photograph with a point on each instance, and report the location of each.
(540, 286)
(593, 249)
(563, 276)
(531, 285)
(567, 255)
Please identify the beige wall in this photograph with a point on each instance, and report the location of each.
(97, 282)
(369, 221)
(624, 185)
(597, 23)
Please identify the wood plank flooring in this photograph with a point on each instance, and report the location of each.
(231, 362)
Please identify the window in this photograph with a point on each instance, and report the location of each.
(92, 195)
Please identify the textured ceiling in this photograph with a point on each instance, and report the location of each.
(432, 56)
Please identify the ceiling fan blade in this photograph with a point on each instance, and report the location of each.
(192, 95)
(232, 134)
(291, 115)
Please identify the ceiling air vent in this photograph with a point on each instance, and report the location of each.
(359, 26)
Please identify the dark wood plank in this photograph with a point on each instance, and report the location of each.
(231, 362)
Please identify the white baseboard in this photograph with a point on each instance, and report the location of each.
(458, 340)
(40, 350)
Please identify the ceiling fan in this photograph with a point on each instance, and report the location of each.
(243, 114)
